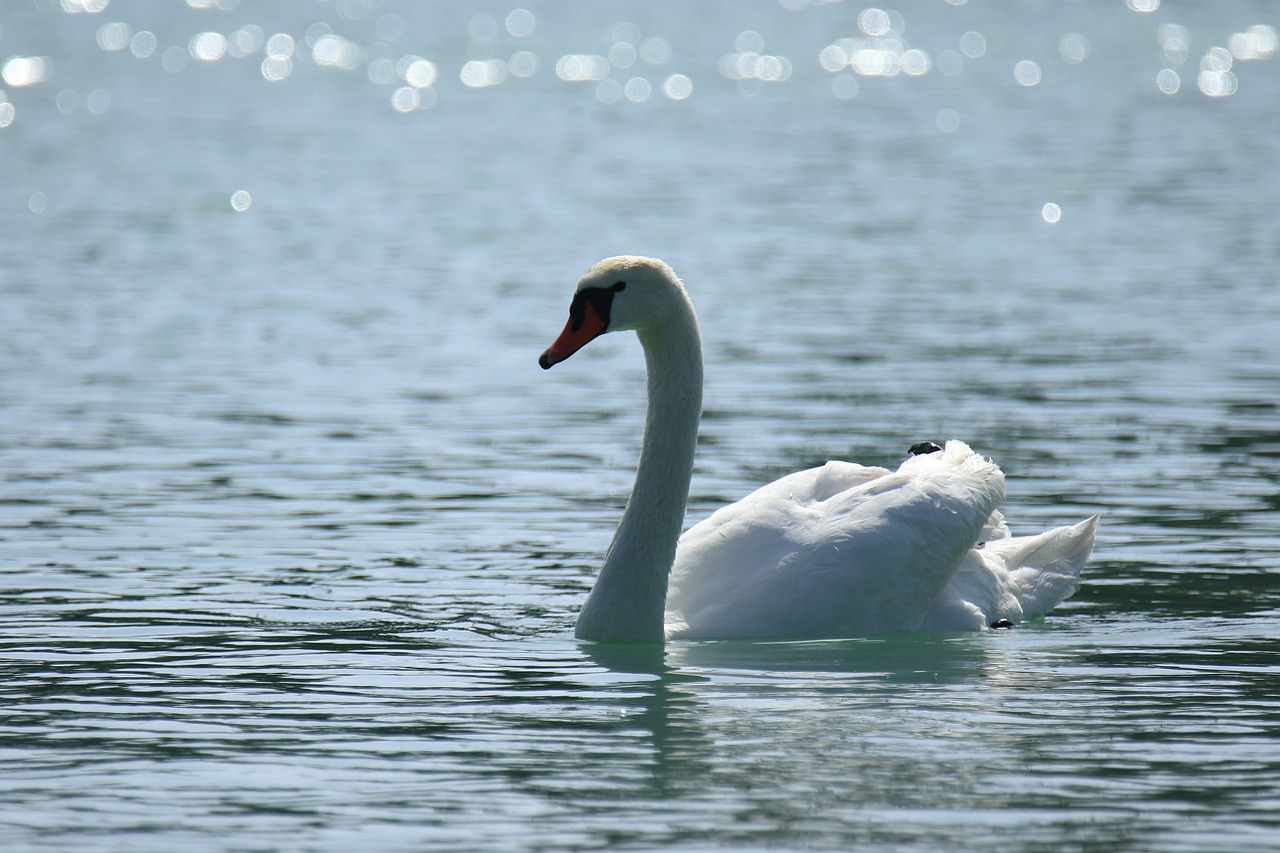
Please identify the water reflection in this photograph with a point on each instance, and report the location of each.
(750, 718)
(687, 689)
(908, 659)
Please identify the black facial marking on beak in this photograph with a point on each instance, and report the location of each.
(599, 298)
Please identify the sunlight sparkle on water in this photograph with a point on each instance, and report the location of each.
(637, 89)
(381, 71)
(875, 57)
(1216, 78)
(1027, 73)
(91, 7)
(677, 87)
(245, 41)
(1258, 42)
(1074, 48)
(26, 70)
(1175, 42)
(334, 51)
(882, 50)
(143, 44)
(523, 63)
(480, 74)
(280, 46)
(973, 44)
(520, 22)
(628, 47)
(582, 67)
(878, 22)
(276, 68)
(623, 54)
(208, 47)
(750, 62)
(114, 36)
(406, 99)
(655, 50)
(878, 47)
(417, 72)
(278, 63)
(98, 102)
(67, 101)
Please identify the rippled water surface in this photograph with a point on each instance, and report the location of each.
(293, 530)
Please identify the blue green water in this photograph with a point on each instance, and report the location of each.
(293, 529)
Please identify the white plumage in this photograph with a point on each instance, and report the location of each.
(845, 550)
(835, 551)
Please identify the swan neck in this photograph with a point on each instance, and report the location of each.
(628, 602)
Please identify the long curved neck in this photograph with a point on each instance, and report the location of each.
(628, 602)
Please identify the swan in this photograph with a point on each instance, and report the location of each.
(840, 550)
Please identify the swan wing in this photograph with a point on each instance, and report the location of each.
(1014, 578)
(838, 550)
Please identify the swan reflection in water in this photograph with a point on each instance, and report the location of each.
(694, 713)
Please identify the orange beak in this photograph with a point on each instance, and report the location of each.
(578, 332)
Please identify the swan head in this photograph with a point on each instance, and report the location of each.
(618, 294)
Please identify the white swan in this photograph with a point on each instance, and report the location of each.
(836, 551)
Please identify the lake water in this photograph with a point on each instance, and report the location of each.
(293, 529)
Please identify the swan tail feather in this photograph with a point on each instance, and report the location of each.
(1046, 568)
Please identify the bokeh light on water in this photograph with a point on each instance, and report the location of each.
(383, 42)
(25, 70)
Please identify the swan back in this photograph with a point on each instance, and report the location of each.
(838, 550)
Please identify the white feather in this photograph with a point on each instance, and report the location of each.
(835, 551)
